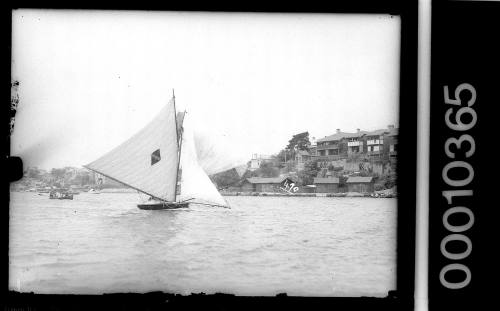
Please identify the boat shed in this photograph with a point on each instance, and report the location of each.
(263, 184)
(360, 184)
(326, 185)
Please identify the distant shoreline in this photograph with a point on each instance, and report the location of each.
(322, 195)
(267, 194)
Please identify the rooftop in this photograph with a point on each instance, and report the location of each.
(359, 179)
(377, 132)
(340, 135)
(355, 135)
(266, 180)
(393, 132)
(336, 136)
(332, 180)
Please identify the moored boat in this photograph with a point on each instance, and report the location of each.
(61, 195)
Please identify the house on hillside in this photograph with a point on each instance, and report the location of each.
(326, 185)
(332, 147)
(360, 184)
(313, 147)
(392, 141)
(380, 143)
(375, 143)
(302, 156)
(258, 159)
(340, 145)
(355, 142)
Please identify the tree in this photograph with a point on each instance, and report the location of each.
(299, 142)
(247, 174)
(226, 179)
(282, 157)
(33, 172)
(85, 179)
(309, 173)
(57, 173)
(390, 181)
(267, 169)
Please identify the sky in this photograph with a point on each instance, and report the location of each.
(88, 80)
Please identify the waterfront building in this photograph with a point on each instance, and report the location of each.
(263, 184)
(326, 185)
(360, 184)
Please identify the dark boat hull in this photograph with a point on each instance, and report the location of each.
(162, 206)
(63, 198)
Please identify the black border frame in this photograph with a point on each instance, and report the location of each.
(464, 50)
(401, 299)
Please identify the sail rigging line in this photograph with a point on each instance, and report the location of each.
(186, 200)
(153, 196)
(179, 159)
(208, 204)
(179, 145)
(140, 196)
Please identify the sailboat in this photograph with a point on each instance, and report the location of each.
(161, 161)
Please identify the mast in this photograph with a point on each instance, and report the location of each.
(179, 146)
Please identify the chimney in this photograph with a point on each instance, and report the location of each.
(357, 130)
(338, 131)
(391, 127)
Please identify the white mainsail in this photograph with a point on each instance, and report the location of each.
(216, 154)
(148, 161)
(195, 183)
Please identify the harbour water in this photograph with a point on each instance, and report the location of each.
(102, 243)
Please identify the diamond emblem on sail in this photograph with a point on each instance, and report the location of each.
(155, 157)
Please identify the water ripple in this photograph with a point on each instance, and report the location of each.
(261, 246)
